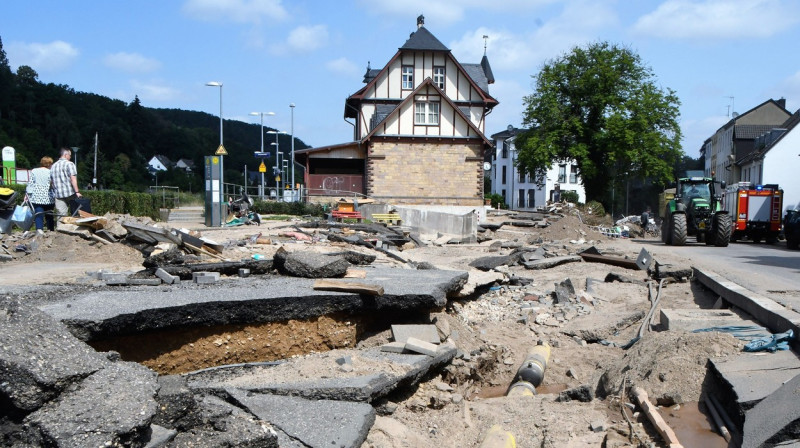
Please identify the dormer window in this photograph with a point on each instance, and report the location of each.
(408, 77)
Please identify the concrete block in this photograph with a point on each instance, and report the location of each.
(205, 277)
(419, 346)
(244, 273)
(427, 333)
(165, 276)
(144, 281)
(694, 319)
(394, 347)
(115, 279)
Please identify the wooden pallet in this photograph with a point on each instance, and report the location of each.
(340, 215)
(390, 218)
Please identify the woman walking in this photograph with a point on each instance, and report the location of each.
(41, 195)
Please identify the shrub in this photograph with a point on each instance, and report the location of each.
(288, 208)
(570, 196)
(496, 200)
(105, 201)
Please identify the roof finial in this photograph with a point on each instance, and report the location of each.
(485, 39)
(420, 21)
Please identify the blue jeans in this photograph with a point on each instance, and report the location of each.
(42, 212)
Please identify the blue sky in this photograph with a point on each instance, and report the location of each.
(269, 53)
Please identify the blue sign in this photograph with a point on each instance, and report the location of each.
(261, 154)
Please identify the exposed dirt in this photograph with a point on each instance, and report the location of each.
(456, 407)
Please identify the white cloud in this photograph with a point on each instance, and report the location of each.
(303, 39)
(719, 19)
(308, 38)
(49, 57)
(131, 62)
(342, 66)
(239, 11)
(154, 91)
(578, 23)
(447, 11)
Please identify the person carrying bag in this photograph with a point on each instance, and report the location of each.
(39, 193)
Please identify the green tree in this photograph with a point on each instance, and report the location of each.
(601, 106)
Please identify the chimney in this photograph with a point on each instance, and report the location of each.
(782, 102)
(420, 21)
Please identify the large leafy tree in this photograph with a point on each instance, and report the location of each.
(601, 106)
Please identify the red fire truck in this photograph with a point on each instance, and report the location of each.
(756, 211)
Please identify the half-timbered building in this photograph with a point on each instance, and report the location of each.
(418, 131)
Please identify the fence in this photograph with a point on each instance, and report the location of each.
(169, 197)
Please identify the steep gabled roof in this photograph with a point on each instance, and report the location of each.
(750, 131)
(784, 130)
(410, 98)
(475, 71)
(487, 69)
(422, 39)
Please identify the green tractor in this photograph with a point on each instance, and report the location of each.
(696, 210)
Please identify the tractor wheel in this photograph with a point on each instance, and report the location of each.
(678, 229)
(666, 233)
(722, 230)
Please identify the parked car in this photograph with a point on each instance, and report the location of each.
(791, 227)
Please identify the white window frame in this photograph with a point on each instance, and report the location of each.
(408, 77)
(426, 113)
(439, 77)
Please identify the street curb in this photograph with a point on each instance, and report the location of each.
(765, 310)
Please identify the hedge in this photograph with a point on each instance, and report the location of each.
(104, 201)
(288, 208)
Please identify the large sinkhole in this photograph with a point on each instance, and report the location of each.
(176, 351)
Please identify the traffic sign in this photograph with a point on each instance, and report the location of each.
(261, 154)
(221, 151)
(262, 168)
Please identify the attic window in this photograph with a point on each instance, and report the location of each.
(438, 77)
(426, 113)
(408, 77)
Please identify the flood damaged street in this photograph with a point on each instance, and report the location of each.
(306, 333)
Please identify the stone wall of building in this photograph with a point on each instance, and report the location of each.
(426, 173)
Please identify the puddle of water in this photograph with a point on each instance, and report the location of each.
(499, 391)
(693, 427)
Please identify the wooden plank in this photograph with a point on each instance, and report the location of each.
(203, 251)
(655, 418)
(361, 288)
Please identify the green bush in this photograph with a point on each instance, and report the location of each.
(288, 208)
(496, 200)
(595, 208)
(570, 196)
(105, 201)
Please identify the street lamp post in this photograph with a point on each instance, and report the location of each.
(291, 167)
(262, 143)
(277, 158)
(220, 149)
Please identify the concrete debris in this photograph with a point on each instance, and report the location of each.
(427, 333)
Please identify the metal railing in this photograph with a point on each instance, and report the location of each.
(169, 196)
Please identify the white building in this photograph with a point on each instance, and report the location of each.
(775, 160)
(522, 191)
(159, 163)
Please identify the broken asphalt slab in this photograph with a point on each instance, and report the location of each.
(99, 314)
(375, 375)
(314, 423)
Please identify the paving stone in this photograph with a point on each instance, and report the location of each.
(80, 416)
(244, 273)
(115, 279)
(315, 423)
(427, 333)
(160, 436)
(144, 281)
(39, 358)
(165, 276)
(394, 347)
(420, 346)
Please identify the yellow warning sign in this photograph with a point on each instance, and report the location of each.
(262, 168)
(215, 160)
(221, 151)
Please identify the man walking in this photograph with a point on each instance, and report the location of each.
(64, 179)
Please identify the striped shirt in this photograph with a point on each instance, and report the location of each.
(60, 174)
(38, 188)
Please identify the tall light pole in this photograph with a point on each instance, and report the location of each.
(277, 158)
(291, 106)
(220, 152)
(262, 142)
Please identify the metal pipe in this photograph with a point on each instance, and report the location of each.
(717, 420)
(497, 437)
